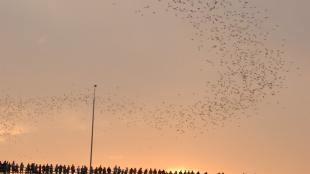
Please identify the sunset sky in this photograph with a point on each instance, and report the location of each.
(50, 47)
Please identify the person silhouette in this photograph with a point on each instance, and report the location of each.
(100, 169)
(78, 170)
(47, 169)
(72, 169)
(44, 169)
(1, 167)
(57, 169)
(60, 169)
(8, 167)
(86, 169)
(51, 169)
(32, 168)
(28, 168)
(109, 170)
(16, 168)
(40, 169)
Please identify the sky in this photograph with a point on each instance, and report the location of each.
(48, 48)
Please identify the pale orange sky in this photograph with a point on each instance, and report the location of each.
(50, 47)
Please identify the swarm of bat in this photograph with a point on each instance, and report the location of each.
(234, 34)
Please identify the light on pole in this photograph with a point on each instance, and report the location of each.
(92, 132)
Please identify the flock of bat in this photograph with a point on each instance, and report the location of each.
(233, 34)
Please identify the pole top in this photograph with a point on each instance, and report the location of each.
(95, 86)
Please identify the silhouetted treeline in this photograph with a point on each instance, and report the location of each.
(33, 168)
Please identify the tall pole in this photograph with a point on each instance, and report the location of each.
(92, 132)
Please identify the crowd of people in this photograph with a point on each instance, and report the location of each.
(20, 168)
